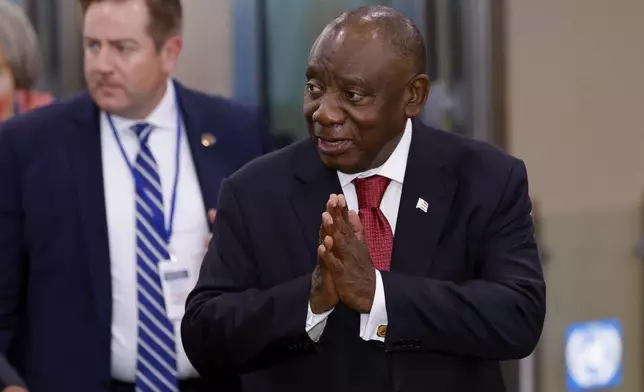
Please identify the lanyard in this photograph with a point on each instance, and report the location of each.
(173, 201)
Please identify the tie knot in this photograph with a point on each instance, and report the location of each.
(370, 190)
(143, 131)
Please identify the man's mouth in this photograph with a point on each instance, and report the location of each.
(334, 147)
(107, 85)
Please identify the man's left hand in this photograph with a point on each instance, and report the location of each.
(346, 256)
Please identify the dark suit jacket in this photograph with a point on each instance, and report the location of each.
(465, 288)
(8, 375)
(55, 284)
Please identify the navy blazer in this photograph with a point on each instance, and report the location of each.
(55, 283)
(465, 289)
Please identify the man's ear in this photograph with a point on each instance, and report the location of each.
(416, 95)
(170, 53)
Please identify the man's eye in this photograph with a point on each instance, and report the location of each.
(313, 88)
(353, 96)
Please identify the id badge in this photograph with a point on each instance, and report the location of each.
(177, 283)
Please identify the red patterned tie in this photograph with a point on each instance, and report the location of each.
(378, 235)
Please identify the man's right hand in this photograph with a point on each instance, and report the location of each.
(323, 295)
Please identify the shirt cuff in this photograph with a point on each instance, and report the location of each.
(373, 325)
(315, 323)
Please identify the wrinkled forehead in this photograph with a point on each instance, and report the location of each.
(363, 53)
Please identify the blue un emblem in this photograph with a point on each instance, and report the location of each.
(593, 355)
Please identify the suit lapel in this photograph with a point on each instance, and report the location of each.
(210, 162)
(84, 147)
(418, 232)
(314, 183)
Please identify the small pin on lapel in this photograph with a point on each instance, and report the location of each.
(422, 204)
(208, 140)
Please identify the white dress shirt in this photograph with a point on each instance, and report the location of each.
(189, 231)
(394, 169)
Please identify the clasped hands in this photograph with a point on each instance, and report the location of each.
(344, 271)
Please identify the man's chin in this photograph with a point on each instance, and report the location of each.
(345, 163)
(110, 105)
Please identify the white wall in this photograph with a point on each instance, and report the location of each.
(575, 100)
(205, 63)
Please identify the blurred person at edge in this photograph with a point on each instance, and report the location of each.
(103, 191)
(19, 63)
(19, 69)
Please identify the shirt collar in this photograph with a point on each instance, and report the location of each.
(394, 168)
(163, 117)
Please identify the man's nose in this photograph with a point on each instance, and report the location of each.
(329, 112)
(103, 60)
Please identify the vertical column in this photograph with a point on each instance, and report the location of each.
(247, 46)
(69, 48)
(205, 63)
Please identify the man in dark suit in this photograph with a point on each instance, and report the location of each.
(103, 210)
(432, 282)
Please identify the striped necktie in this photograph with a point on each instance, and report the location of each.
(156, 365)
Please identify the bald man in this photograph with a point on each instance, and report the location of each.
(378, 255)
